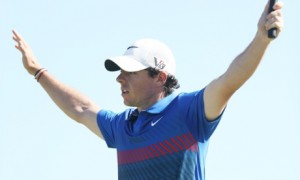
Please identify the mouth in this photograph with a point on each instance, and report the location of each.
(124, 91)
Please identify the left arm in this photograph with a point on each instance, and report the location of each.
(219, 91)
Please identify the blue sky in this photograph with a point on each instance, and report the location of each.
(258, 137)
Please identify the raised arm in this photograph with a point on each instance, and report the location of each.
(219, 91)
(71, 102)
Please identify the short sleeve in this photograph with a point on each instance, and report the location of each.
(199, 125)
(107, 124)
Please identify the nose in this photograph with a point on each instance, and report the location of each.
(120, 77)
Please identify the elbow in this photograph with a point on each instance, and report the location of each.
(79, 113)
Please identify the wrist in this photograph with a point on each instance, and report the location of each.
(32, 69)
(263, 38)
(38, 74)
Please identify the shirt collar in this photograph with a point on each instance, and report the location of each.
(161, 104)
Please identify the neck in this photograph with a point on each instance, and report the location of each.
(151, 101)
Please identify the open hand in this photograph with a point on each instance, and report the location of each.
(29, 61)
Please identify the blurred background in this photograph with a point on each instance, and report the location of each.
(258, 137)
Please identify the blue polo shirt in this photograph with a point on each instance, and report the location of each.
(167, 141)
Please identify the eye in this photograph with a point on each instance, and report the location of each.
(131, 73)
(127, 73)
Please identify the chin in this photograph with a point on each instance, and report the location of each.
(128, 104)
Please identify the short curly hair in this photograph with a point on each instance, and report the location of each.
(171, 83)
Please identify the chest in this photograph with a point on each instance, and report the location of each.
(154, 136)
(162, 145)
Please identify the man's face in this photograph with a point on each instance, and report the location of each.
(139, 89)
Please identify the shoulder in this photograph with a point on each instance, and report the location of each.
(189, 96)
(186, 100)
(104, 114)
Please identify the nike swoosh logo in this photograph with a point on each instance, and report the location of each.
(153, 123)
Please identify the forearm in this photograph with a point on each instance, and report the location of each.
(245, 64)
(71, 102)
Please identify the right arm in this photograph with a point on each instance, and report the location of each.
(71, 102)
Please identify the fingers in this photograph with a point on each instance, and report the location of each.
(16, 36)
(277, 6)
(271, 19)
(28, 59)
(21, 44)
(274, 19)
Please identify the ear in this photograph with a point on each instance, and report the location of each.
(162, 77)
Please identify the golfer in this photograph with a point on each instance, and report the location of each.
(162, 135)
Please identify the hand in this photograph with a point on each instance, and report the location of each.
(270, 20)
(29, 61)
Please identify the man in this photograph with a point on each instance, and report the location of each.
(166, 135)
